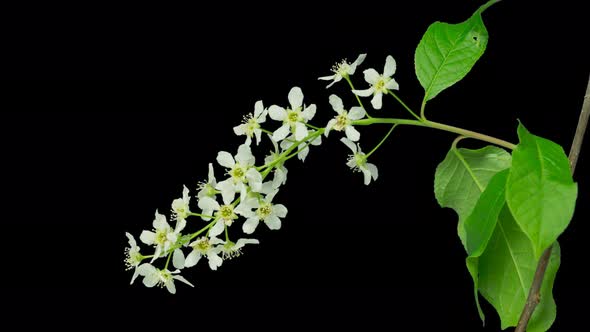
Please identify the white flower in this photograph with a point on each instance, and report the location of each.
(207, 190)
(251, 123)
(208, 247)
(343, 121)
(230, 249)
(241, 171)
(343, 69)
(153, 276)
(380, 84)
(180, 208)
(132, 256)
(226, 213)
(280, 171)
(294, 118)
(267, 212)
(358, 161)
(164, 236)
(303, 148)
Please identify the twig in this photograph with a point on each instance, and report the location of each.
(534, 296)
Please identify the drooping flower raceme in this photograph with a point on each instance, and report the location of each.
(241, 172)
(358, 161)
(153, 276)
(342, 70)
(164, 236)
(267, 212)
(251, 124)
(343, 121)
(294, 118)
(180, 208)
(380, 84)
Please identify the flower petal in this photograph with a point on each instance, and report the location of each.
(300, 131)
(327, 78)
(336, 103)
(273, 222)
(295, 98)
(254, 180)
(178, 259)
(357, 62)
(245, 156)
(367, 175)
(250, 225)
(258, 109)
(373, 169)
(364, 93)
(308, 112)
(192, 259)
(170, 286)
(225, 159)
(390, 66)
(132, 242)
(329, 126)
(377, 100)
(371, 76)
(352, 133)
(240, 130)
(208, 203)
(147, 237)
(356, 113)
(277, 113)
(303, 153)
(392, 85)
(281, 133)
(349, 143)
(214, 261)
(280, 210)
(217, 228)
(181, 278)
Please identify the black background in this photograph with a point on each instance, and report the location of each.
(112, 109)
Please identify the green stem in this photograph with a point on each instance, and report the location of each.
(311, 126)
(382, 140)
(226, 233)
(422, 107)
(266, 131)
(168, 260)
(404, 105)
(200, 215)
(347, 78)
(440, 126)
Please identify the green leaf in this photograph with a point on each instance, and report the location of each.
(447, 52)
(481, 223)
(480, 226)
(463, 175)
(540, 190)
(506, 271)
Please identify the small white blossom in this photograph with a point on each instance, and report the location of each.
(226, 213)
(303, 148)
(231, 250)
(241, 172)
(380, 84)
(358, 161)
(208, 247)
(280, 171)
(343, 121)
(180, 208)
(294, 118)
(207, 190)
(132, 256)
(164, 236)
(251, 124)
(343, 69)
(153, 276)
(269, 213)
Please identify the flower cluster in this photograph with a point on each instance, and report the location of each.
(245, 194)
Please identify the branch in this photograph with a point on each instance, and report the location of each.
(534, 296)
